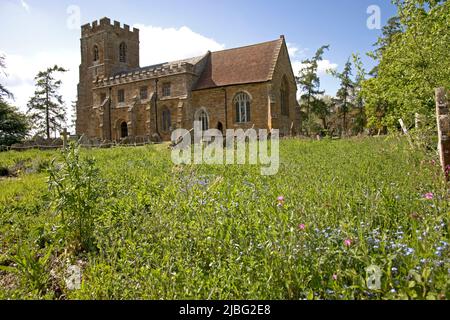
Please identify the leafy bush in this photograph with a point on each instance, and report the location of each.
(75, 189)
(31, 267)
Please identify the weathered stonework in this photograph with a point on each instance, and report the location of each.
(105, 72)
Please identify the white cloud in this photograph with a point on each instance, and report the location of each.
(297, 55)
(25, 5)
(292, 49)
(295, 52)
(21, 71)
(325, 65)
(157, 45)
(160, 45)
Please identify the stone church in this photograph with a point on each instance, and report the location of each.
(247, 87)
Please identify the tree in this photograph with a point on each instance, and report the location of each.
(344, 96)
(414, 59)
(13, 125)
(360, 77)
(46, 107)
(321, 107)
(4, 93)
(309, 82)
(389, 31)
(73, 121)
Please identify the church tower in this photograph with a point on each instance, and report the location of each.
(106, 50)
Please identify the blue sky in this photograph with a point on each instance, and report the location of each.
(37, 33)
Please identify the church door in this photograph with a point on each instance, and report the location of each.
(124, 130)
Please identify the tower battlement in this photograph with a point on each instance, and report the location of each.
(105, 25)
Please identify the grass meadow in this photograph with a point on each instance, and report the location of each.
(362, 218)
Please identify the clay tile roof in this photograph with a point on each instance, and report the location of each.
(243, 65)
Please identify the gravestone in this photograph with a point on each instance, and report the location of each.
(443, 126)
(65, 134)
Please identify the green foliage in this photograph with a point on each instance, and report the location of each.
(46, 107)
(308, 83)
(218, 232)
(4, 92)
(414, 59)
(31, 267)
(13, 125)
(345, 94)
(75, 190)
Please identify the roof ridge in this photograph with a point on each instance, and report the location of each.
(248, 46)
(276, 56)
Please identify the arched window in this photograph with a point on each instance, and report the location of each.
(242, 103)
(96, 54)
(284, 97)
(124, 130)
(123, 52)
(166, 120)
(204, 120)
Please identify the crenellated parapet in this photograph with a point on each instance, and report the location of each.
(145, 74)
(105, 25)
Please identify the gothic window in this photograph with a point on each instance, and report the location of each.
(124, 130)
(166, 90)
(166, 120)
(143, 93)
(204, 120)
(96, 54)
(123, 52)
(284, 97)
(121, 96)
(242, 103)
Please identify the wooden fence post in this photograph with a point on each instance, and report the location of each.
(443, 126)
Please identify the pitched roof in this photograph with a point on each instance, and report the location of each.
(250, 64)
(192, 61)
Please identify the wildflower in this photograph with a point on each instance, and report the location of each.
(429, 196)
(280, 201)
(335, 277)
(302, 227)
(347, 242)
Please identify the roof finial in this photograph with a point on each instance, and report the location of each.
(282, 36)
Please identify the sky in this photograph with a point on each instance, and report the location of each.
(36, 34)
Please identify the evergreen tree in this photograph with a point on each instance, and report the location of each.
(344, 96)
(360, 77)
(46, 107)
(309, 83)
(321, 107)
(4, 93)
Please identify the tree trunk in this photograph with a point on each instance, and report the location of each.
(324, 123)
(47, 111)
